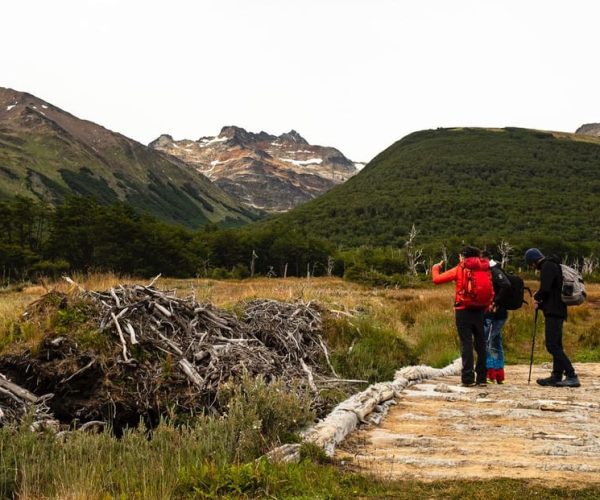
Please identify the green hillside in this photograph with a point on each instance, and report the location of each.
(468, 184)
(47, 154)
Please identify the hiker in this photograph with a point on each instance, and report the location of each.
(548, 300)
(493, 322)
(474, 294)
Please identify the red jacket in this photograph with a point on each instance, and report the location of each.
(457, 274)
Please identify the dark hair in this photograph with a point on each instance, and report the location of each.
(467, 252)
(486, 254)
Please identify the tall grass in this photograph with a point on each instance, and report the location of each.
(151, 464)
(196, 462)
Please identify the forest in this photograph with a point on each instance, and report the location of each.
(83, 235)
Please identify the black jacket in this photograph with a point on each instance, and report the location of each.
(501, 288)
(550, 286)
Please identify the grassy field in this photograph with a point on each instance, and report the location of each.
(214, 456)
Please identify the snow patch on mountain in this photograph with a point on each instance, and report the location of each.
(312, 161)
(207, 141)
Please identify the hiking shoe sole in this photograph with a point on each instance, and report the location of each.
(568, 383)
(547, 383)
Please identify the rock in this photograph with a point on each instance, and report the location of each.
(589, 129)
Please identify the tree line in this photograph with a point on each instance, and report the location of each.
(82, 235)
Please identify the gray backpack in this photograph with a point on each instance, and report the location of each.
(573, 289)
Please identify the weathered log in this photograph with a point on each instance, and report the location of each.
(309, 375)
(18, 391)
(123, 344)
(347, 415)
(17, 402)
(191, 372)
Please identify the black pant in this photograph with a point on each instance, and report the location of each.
(560, 362)
(469, 323)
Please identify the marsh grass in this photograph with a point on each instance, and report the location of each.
(196, 462)
(156, 464)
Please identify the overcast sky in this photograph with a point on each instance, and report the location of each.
(353, 74)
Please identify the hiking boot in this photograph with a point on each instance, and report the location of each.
(550, 381)
(569, 382)
(482, 383)
(468, 384)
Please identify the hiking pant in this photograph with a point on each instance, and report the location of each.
(493, 341)
(469, 323)
(560, 362)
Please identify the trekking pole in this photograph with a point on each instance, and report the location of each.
(532, 345)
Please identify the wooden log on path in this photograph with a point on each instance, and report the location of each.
(346, 416)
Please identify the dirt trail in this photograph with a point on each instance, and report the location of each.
(440, 430)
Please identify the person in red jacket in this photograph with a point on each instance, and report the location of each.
(474, 294)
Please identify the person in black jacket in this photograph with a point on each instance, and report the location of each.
(548, 300)
(493, 322)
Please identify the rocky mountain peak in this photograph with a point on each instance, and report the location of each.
(241, 136)
(273, 173)
(13, 103)
(589, 129)
(293, 137)
(233, 132)
(162, 141)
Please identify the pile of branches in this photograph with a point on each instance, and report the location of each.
(171, 352)
(18, 404)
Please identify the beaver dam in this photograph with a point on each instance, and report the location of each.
(135, 353)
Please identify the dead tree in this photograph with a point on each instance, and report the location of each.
(254, 257)
(205, 267)
(413, 255)
(504, 248)
(445, 254)
(330, 263)
(590, 264)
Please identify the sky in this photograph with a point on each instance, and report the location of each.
(353, 74)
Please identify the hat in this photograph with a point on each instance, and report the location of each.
(533, 255)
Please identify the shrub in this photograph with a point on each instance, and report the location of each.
(361, 350)
(262, 415)
(591, 336)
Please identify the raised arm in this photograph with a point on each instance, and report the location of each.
(445, 277)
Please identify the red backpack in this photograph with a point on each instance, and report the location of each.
(475, 289)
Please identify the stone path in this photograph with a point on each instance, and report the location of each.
(440, 430)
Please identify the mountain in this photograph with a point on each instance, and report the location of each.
(467, 184)
(268, 172)
(589, 129)
(49, 154)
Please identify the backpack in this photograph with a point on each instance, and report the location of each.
(477, 291)
(573, 291)
(515, 298)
